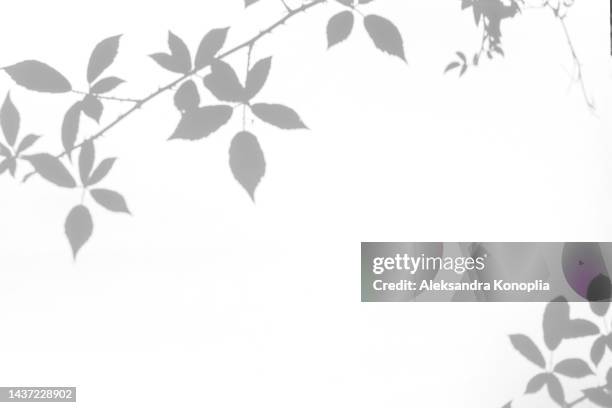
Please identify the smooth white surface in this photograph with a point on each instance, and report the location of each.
(204, 299)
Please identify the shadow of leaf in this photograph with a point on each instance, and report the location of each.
(202, 122)
(102, 57)
(385, 35)
(247, 161)
(339, 27)
(555, 321)
(79, 228)
(38, 76)
(524, 345)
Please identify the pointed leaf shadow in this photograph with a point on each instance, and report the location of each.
(247, 162)
(385, 35)
(38, 76)
(202, 122)
(10, 121)
(339, 27)
(78, 228)
(102, 57)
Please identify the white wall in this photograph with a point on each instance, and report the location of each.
(204, 299)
